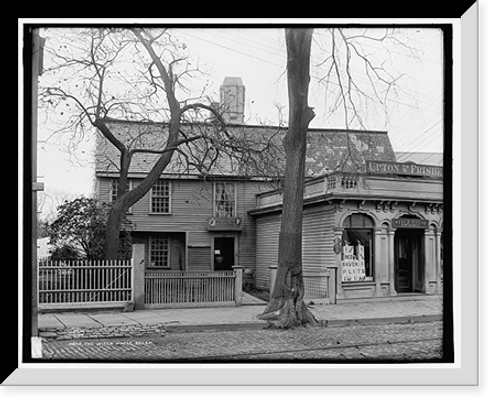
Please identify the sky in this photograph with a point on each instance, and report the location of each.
(411, 113)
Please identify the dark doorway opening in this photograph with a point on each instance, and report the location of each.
(409, 261)
(224, 253)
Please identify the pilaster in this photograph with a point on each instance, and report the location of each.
(391, 271)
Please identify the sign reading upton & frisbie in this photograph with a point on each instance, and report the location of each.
(409, 169)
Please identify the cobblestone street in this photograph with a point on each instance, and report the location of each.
(404, 342)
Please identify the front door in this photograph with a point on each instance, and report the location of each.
(223, 253)
(408, 262)
(403, 263)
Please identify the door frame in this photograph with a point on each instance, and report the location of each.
(417, 263)
(234, 236)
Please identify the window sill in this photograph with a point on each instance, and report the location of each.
(159, 267)
(364, 282)
(160, 214)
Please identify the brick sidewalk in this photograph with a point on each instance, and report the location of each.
(119, 324)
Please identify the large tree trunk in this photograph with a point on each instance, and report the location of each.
(125, 201)
(286, 308)
(113, 228)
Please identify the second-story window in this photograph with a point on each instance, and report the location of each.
(114, 189)
(224, 200)
(160, 197)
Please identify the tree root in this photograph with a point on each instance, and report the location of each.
(285, 313)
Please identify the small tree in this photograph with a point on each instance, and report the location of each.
(65, 252)
(80, 228)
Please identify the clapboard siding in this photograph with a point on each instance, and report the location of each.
(317, 239)
(191, 207)
(317, 242)
(267, 231)
(200, 258)
(246, 201)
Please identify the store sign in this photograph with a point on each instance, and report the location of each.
(410, 223)
(216, 224)
(408, 168)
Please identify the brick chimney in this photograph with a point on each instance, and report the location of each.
(232, 99)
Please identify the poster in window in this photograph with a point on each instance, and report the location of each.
(353, 263)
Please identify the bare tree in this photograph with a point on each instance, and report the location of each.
(138, 74)
(286, 307)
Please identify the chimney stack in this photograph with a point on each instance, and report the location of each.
(232, 99)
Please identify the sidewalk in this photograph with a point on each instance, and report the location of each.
(137, 323)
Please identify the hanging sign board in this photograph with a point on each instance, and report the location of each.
(410, 223)
(408, 168)
(216, 224)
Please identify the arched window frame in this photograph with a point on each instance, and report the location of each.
(358, 232)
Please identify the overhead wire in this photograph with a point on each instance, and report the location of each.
(271, 49)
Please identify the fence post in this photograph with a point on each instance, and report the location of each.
(138, 269)
(332, 284)
(273, 270)
(238, 285)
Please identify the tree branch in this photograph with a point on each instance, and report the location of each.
(166, 79)
(195, 106)
(101, 125)
(166, 149)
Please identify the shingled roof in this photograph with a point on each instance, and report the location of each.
(328, 150)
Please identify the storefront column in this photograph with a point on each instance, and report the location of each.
(430, 261)
(439, 270)
(390, 244)
(380, 272)
(337, 242)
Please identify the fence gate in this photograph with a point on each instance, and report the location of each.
(84, 284)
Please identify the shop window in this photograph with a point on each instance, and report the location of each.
(357, 253)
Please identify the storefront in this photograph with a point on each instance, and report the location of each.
(381, 233)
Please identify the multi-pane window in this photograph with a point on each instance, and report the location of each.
(160, 197)
(224, 200)
(114, 191)
(114, 188)
(159, 249)
(357, 251)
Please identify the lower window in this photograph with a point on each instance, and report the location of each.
(159, 251)
(357, 257)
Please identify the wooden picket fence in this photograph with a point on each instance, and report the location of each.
(84, 284)
(164, 289)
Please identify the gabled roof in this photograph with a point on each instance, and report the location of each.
(327, 149)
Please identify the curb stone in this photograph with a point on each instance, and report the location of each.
(141, 330)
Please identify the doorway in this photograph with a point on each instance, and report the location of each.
(223, 256)
(408, 260)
